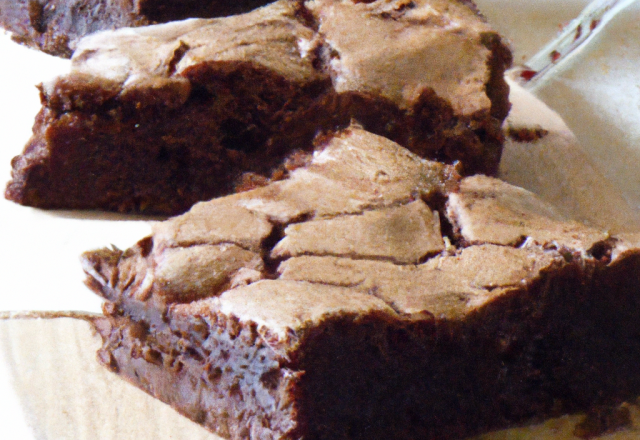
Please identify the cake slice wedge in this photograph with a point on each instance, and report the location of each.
(372, 295)
(155, 119)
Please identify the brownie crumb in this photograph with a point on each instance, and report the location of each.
(526, 134)
(603, 420)
(249, 181)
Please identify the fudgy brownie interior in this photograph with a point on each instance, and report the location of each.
(155, 119)
(372, 295)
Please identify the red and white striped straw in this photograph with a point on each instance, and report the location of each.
(573, 36)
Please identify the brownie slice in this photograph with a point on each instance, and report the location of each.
(372, 295)
(154, 119)
(55, 26)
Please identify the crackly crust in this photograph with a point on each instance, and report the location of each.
(55, 26)
(359, 181)
(488, 210)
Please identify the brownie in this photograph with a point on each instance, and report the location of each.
(55, 26)
(154, 119)
(372, 295)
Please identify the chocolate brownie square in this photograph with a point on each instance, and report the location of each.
(155, 119)
(372, 295)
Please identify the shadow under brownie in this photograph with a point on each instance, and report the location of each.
(154, 119)
(372, 295)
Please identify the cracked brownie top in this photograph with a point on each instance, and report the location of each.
(365, 227)
(395, 49)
